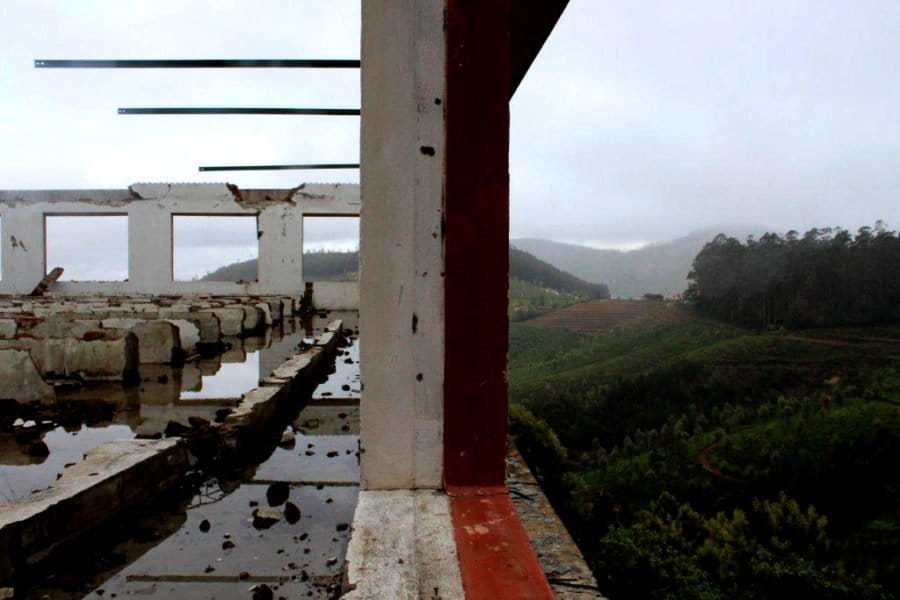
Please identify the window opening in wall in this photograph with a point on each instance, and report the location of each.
(215, 248)
(331, 248)
(87, 247)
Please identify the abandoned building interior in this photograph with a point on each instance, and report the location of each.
(285, 436)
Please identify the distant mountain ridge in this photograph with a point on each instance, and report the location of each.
(658, 268)
(332, 266)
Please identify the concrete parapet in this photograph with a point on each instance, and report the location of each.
(114, 479)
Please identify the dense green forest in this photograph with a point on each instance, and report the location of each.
(824, 277)
(695, 458)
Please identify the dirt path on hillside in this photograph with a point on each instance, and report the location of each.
(706, 463)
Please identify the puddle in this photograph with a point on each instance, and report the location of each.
(65, 447)
(214, 547)
(344, 382)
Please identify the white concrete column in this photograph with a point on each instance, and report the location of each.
(150, 245)
(23, 249)
(401, 285)
(280, 245)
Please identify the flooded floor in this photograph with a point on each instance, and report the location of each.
(281, 530)
(35, 447)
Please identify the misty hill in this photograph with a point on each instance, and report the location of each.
(342, 266)
(658, 268)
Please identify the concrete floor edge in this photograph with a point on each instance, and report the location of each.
(402, 547)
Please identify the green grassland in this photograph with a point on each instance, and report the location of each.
(695, 459)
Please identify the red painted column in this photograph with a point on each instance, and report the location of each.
(476, 242)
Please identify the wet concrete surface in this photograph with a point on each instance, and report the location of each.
(31, 458)
(64, 448)
(282, 527)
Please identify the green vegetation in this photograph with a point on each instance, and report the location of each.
(826, 277)
(691, 458)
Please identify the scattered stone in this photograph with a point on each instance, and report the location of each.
(303, 536)
(310, 452)
(342, 526)
(331, 561)
(346, 387)
(17, 423)
(175, 429)
(222, 414)
(342, 415)
(263, 518)
(278, 493)
(204, 525)
(227, 545)
(253, 503)
(291, 512)
(209, 569)
(29, 424)
(348, 361)
(287, 440)
(332, 454)
(329, 501)
(262, 592)
(325, 394)
(38, 449)
(345, 428)
(304, 576)
(198, 422)
(149, 436)
(243, 575)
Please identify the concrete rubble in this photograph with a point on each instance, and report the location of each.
(109, 338)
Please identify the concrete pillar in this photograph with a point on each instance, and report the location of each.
(23, 249)
(150, 245)
(280, 244)
(401, 242)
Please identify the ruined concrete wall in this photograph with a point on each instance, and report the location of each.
(150, 208)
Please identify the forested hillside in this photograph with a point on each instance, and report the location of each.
(694, 458)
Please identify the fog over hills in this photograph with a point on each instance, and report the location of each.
(658, 268)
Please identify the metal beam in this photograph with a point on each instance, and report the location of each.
(199, 64)
(322, 166)
(240, 111)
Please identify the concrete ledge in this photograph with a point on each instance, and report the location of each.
(567, 572)
(114, 478)
(402, 547)
(259, 408)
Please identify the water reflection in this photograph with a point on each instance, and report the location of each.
(65, 448)
(106, 411)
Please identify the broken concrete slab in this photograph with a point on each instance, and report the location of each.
(97, 360)
(8, 329)
(20, 379)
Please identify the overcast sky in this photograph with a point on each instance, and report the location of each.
(639, 122)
